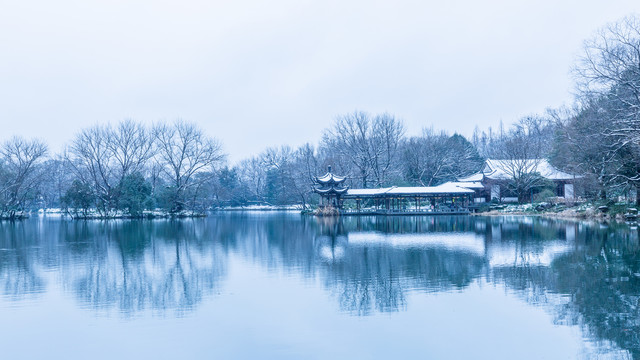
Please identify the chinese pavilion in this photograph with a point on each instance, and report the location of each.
(331, 188)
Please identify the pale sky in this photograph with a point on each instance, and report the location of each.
(264, 73)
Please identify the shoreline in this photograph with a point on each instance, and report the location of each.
(564, 215)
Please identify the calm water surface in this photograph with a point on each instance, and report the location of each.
(279, 285)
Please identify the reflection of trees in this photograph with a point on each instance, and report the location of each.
(168, 265)
(599, 278)
(129, 265)
(602, 276)
(18, 263)
(134, 265)
(377, 277)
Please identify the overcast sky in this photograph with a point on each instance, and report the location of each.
(263, 73)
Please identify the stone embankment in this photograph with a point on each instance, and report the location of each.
(585, 211)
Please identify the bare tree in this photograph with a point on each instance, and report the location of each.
(386, 138)
(184, 151)
(370, 147)
(609, 70)
(350, 138)
(426, 158)
(21, 174)
(603, 135)
(519, 157)
(57, 180)
(307, 166)
(253, 175)
(89, 157)
(130, 145)
(611, 61)
(434, 158)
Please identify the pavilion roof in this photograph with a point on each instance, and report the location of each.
(329, 178)
(444, 189)
(331, 190)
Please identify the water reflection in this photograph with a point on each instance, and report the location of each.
(587, 274)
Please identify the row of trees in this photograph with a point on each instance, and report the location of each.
(371, 150)
(111, 171)
(128, 168)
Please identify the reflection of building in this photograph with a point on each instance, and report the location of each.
(492, 182)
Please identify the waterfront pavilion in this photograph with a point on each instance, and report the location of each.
(447, 198)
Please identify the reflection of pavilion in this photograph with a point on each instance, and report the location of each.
(447, 198)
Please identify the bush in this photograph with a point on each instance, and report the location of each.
(134, 195)
(544, 195)
(79, 197)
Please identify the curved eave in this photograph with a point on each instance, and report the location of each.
(330, 178)
(331, 191)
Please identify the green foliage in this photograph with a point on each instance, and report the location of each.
(544, 195)
(229, 188)
(168, 198)
(134, 195)
(79, 197)
(274, 189)
(466, 159)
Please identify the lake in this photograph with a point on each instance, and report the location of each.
(279, 285)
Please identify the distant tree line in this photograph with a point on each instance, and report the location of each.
(176, 168)
(110, 171)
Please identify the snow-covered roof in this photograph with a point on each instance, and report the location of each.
(330, 177)
(468, 184)
(503, 169)
(447, 188)
(367, 192)
(474, 177)
(331, 190)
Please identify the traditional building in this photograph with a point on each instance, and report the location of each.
(331, 188)
(411, 200)
(442, 199)
(492, 182)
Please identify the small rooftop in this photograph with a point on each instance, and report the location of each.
(330, 177)
(501, 170)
